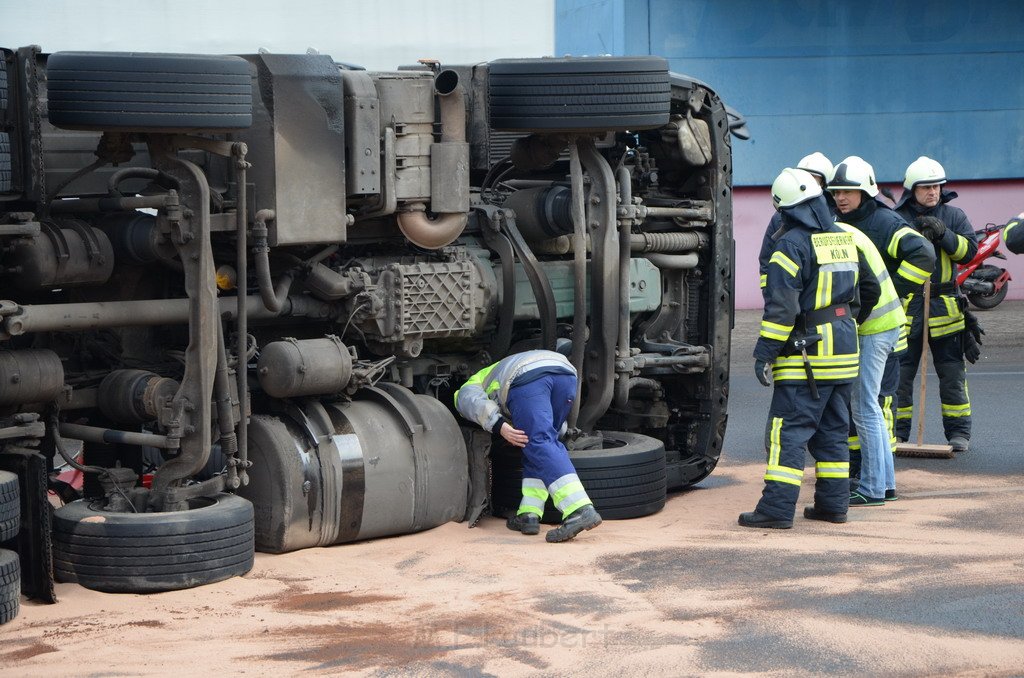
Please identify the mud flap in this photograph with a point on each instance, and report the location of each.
(34, 542)
(478, 447)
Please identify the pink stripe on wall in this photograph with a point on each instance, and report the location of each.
(983, 201)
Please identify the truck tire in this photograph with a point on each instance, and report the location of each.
(149, 552)
(578, 94)
(10, 506)
(3, 83)
(625, 479)
(5, 162)
(10, 585)
(148, 92)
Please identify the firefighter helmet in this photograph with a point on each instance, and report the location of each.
(924, 172)
(793, 187)
(854, 174)
(817, 163)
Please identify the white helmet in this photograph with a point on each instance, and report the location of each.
(793, 187)
(854, 174)
(924, 172)
(817, 163)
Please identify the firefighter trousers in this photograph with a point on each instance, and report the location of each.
(797, 422)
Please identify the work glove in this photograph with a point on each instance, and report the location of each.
(972, 349)
(974, 327)
(763, 371)
(930, 227)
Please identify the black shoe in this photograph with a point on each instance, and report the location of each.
(755, 519)
(858, 499)
(583, 518)
(814, 513)
(527, 523)
(959, 443)
(890, 495)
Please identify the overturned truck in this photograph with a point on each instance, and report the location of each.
(239, 292)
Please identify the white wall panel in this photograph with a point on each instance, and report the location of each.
(378, 35)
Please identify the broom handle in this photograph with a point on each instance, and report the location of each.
(927, 298)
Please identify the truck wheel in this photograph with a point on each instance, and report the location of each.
(10, 506)
(625, 479)
(3, 83)
(5, 163)
(10, 585)
(149, 552)
(148, 92)
(578, 94)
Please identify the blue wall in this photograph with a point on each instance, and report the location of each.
(886, 80)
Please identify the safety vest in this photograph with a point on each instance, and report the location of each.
(888, 312)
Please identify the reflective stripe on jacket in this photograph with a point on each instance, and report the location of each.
(1013, 236)
(907, 254)
(887, 312)
(958, 244)
(813, 265)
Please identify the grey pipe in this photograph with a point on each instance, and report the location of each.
(237, 473)
(133, 173)
(673, 261)
(453, 106)
(222, 401)
(415, 225)
(95, 434)
(144, 313)
(261, 254)
(696, 213)
(431, 233)
(667, 242)
(107, 204)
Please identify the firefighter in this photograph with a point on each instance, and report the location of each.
(909, 260)
(1013, 234)
(821, 167)
(926, 204)
(877, 333)
(526, 398)
(808, 348)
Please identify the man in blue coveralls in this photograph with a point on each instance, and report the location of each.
(526, 398)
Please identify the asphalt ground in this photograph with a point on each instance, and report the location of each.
(929, 585)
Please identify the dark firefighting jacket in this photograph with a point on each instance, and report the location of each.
(957, 244)
(812, 289)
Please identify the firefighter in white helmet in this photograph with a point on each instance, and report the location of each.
(820, 167)
(808, 349)
(925, 204)
(908, 260)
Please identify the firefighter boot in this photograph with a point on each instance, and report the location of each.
(527, 523)
(583, 518)
(814, 513)
(755, 519)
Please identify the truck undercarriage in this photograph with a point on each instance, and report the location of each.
(238, 294)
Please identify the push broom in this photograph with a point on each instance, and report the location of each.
(909, 449)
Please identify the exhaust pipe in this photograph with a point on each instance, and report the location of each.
(449, 174)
